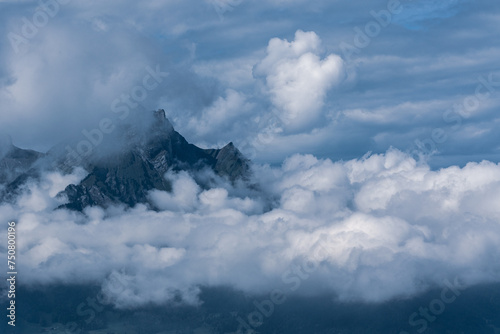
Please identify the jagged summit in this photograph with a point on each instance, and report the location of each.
(126, 165)
(160, 115)
(161, 121)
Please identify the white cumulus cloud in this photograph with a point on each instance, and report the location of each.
(299, 79)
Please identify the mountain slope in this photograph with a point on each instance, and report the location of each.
(14, 161)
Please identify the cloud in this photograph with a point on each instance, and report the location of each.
(418, 15)
(184, 195)
(222, 114)
(387, 227)
(298, 79)
(43, 195)
(62, 86)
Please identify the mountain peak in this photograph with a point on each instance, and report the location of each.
(160, 114)
(161, 125)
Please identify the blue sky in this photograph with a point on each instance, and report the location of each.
(274, 77)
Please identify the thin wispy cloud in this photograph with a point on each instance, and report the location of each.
(420, 14)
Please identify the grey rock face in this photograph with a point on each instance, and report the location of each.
(230, 162)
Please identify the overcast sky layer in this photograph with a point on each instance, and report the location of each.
(332, 78)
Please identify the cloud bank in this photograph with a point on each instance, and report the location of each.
(388, 228)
